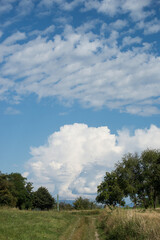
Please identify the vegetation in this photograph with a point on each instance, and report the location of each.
(65, 206)
(40, 225)
(15, 191)
(42, 199)
(124, 224)
(137, 177)
(37, 225)
(84, 204)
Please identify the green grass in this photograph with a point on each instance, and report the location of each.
(33, 225)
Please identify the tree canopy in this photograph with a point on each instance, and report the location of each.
(42, 199)
(15, 191)
(83, 204)
(135, 176)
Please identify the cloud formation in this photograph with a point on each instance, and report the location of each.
(74, 159)
(98, 63)
(80, 65)
(113, 7)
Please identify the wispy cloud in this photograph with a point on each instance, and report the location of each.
(11, 111)
(149, 27)
(111, 8)
(80, 65)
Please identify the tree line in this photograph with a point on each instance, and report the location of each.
(15, 191)
(135, 176)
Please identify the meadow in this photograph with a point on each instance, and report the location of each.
(47, 225)
(106, 224)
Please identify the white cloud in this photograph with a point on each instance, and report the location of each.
(149, 27)
(25, 7)
(74, 160)
(18, 36)
(11, 111)
(141, 140)
(25, 174)
(119, 24)
(44, 32)
(131, 40)
(63, 4)
(80, 65)
(1, 33)
(112, 7)
(6, 6)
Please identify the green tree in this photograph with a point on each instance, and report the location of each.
(129, 176)
(150, 162)
(42, 199)
(135, 176)
(83, 204)
(6, 197)
(109, 191)
(19, 190)
(65, 206)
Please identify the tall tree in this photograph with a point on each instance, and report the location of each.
(19, 189)
(42, 199)
(129, 176)
(135, 176)
(109, 191)
(150, 162)
(6, 197)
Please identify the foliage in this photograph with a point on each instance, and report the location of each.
(137, 177)
(19, 190)
(42, 199)
(6, 197)
(65, 206)
(83, 204)
(15, 191)
(109, 191)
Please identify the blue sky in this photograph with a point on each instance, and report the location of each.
(79, 87)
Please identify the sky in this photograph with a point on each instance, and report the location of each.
(79, 88)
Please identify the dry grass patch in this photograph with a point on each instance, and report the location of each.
(130, 224)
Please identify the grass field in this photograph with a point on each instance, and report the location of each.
(117, 224)
(47, 225)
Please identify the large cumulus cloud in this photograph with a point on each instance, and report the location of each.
(75, 159)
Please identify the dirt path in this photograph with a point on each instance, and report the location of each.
(83, 229)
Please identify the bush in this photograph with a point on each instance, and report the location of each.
(84, 204)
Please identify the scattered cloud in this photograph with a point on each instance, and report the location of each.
(112, 7)
(80, 65)
(18, 36)
(1, 33)
(131, 40)
(45, 32)
(25, 7)
(119, 24)
(11, 111)
(150, 27)
(25, 174)
(74, 159)
(6, 6)
(113, 68)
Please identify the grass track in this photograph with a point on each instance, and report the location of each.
(47, 225)
(84, 228)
